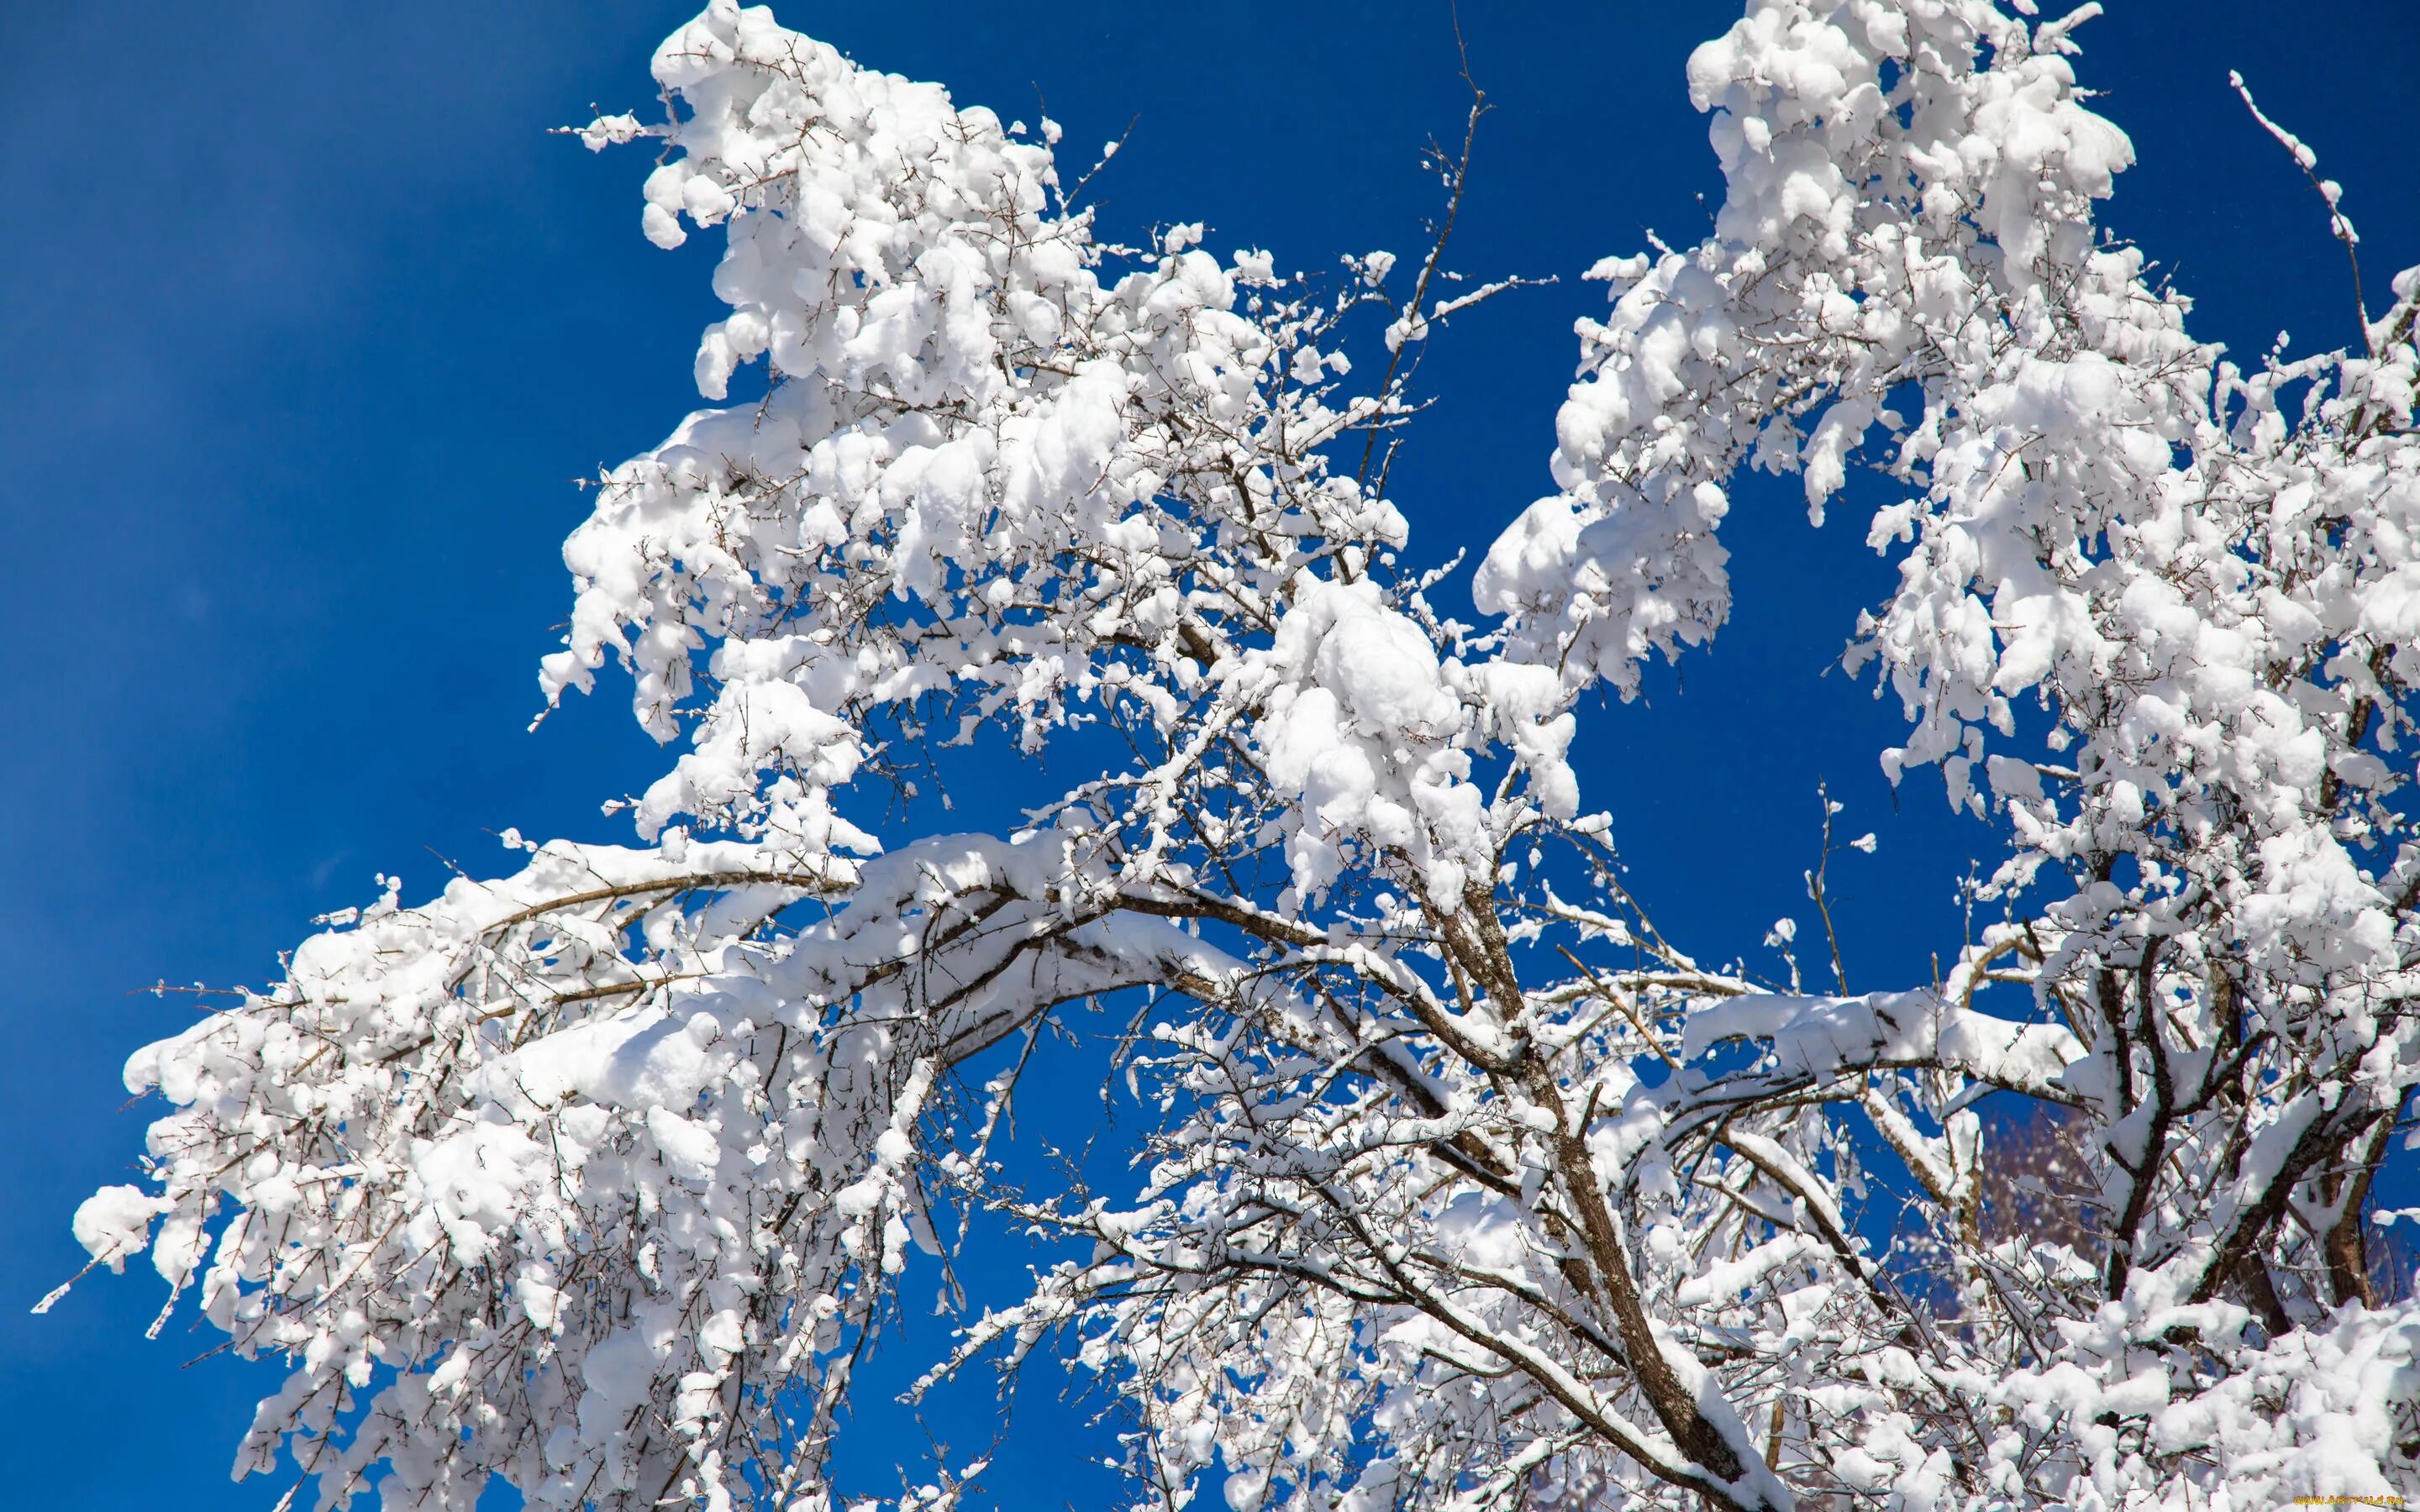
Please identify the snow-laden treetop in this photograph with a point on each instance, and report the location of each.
(1461, 1186)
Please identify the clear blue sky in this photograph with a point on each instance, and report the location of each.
(306, 324)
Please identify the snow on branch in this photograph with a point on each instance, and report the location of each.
(1457, 1183)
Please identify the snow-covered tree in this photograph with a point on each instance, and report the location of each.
(1464, 1185)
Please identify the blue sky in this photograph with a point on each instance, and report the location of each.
(308, 324)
